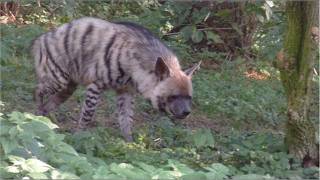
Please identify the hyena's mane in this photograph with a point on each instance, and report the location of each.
(154, 46)
(137, 28)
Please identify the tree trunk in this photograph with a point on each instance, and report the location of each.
(295, 63)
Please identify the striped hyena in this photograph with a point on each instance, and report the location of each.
(102, 55)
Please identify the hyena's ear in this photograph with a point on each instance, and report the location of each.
(161, 69)
(191, 70)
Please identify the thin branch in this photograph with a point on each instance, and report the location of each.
(203, 29)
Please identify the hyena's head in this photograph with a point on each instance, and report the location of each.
(173, 92)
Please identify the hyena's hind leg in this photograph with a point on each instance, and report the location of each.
(89, 106)
(125, 114)
(55, 94)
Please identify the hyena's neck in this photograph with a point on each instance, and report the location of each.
(145, 81)
(143, 62)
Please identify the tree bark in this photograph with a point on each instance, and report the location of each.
(295, 63)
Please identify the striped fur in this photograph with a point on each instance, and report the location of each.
(102, 55)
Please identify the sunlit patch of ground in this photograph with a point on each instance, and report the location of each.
(256, 75)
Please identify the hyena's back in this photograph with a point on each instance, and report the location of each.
(72, 51)
(89, 49)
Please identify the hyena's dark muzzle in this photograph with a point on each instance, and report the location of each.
(179, 106)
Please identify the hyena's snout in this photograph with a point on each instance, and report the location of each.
(180, 106)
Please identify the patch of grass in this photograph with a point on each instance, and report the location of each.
(17, 83)
(229, 93)
(16, 41)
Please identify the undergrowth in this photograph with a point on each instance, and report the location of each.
(36, 147)
(30, 147)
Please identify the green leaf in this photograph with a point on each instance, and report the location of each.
(164, 174)
(236, 28)
(16, 117)
(187, 32)
(8, 145)
(41, 119)
(146, 167)
(252, 177)
(197, 36)
(101, 173)
(182, 17)
(260, 18)
(203, 137)
(129, 171)
(12, 169)
(4, 128)
(56, 174)
(199, 16)
(63, 147)
(35, 127)
(311, 171)
(37, 175)
(214, 37)
(192, 176)
(14, 131)
(36, 166)
(217, 171)
(223, 13)
(177, 166)
(16, 160)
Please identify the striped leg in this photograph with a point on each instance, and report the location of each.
(89, 105)
(125, 114)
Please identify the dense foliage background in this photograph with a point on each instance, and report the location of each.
(235, 130)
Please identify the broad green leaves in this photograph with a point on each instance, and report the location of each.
(30, 147)
(28, 140)
(174, 170)
(33, 165)
(217, 171)
(197, 36)
(203, 138)
(187, 32)
(252, 177)
(190, 32)
(214, 37)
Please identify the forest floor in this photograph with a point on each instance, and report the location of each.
(243, 109)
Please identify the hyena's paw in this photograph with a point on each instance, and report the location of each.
(84, 125)
(41, 112)
(128, 138)
(81, 127)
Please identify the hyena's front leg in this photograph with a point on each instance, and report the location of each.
(46, 90)
(89, 106)
(59, 97)
(125, 114)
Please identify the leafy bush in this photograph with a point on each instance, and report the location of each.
(31, 148)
